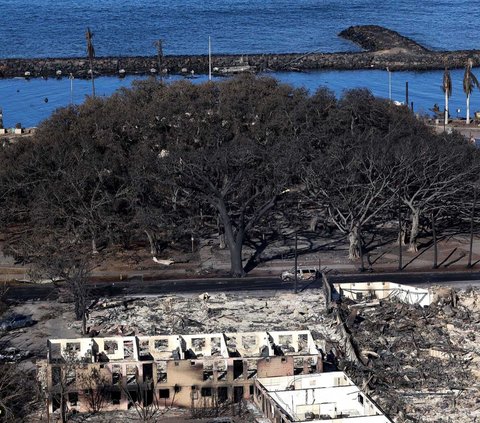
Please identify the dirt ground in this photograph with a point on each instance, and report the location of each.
(328, 252)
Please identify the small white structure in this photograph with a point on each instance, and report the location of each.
(361, 291)
(321, 397)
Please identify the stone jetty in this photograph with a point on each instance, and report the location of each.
(382, 48)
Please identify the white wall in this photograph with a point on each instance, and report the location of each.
(384, 290)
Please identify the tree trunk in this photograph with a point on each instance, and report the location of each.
(360, 251)
(354, 240)
(84, 323)
(234, 241)
(78, 308)
(236, 265)
(94, 246)
(446, 107)
(468, 109)
(63, 406)
(412, 246)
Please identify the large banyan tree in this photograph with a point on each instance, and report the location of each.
(163, 160)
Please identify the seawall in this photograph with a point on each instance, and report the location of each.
(382, 48)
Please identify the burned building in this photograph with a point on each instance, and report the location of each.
(314, 398)
(371, 291)
(198, 371)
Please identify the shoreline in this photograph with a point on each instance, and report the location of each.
(383, 48)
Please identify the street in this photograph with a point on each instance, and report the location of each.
(163, 287)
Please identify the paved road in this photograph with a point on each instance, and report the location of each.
(162, 287)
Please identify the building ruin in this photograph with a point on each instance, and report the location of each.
(315, 398)
(369, 291)
(193, 371)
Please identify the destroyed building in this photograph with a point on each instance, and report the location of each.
(368, 291)
(326, 397)
(416, 353)
(201, 370)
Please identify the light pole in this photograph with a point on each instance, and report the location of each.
(71, 87)
(389, 84)
(296, 263)
(209, 59)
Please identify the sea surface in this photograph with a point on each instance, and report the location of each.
(51, 28)
(47, 28)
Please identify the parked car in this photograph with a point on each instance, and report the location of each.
(303, 274)
(13, 355)
(15, 321)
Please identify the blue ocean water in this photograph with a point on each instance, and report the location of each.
(23, 100)
(54, 28)
(49, 28)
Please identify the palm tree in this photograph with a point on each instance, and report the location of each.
(91, 55)
(470, 81)
(447, 89)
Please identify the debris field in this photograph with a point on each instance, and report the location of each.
(421, 364)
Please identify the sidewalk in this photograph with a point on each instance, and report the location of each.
(209, 261)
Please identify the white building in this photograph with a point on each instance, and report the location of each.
(322, 397)
(365, 291)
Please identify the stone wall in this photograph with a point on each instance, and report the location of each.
(110, 66)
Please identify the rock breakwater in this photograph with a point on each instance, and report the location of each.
(383, 48)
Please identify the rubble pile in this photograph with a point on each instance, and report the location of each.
(190, 314)
(419, 364)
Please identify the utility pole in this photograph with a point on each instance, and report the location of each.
(472, 216)
(71, 87)
(159, 46)
(209, 58)
(406, 93)
(389, 84)
(296, 262)
(400, 234)
(435, 247)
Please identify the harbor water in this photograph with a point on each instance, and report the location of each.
(130, 27)
(30, 101)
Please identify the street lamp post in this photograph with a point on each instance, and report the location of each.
(389, 84)
(209, 59)
(71, 87)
